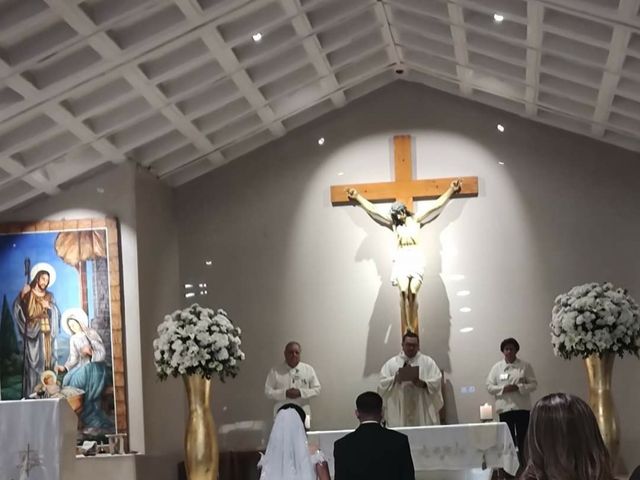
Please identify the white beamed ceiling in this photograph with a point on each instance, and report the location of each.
(180, 86)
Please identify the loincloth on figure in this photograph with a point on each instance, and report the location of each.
(408, 262)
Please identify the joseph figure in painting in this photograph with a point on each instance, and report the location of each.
(408, 260)
(37, 317)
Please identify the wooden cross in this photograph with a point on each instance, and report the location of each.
(404, 189)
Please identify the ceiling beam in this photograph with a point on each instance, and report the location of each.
(613, 68)
(311, 44)
(459, 36)
(535, 13)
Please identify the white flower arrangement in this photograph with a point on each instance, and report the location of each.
(595, 319)
(197, 341)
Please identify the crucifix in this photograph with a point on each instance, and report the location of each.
(408, 260)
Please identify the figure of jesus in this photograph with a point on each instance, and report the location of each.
(36, 315)
(408, 259)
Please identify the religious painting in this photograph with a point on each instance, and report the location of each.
(61, 319)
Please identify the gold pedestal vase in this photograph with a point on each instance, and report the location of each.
(599, 373)
(200, 442)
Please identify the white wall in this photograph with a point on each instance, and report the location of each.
(287, 265)
(164, 402)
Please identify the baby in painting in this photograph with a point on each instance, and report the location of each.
(48, 386)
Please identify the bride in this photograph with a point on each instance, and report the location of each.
(288, 455)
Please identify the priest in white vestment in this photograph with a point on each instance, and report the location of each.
(292, 382)
(411, 403)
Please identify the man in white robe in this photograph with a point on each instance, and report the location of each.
(292, 382)
(411, 403)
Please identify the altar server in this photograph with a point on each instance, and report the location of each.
(511, 381)
(292, 382)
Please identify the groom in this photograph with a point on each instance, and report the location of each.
(372, 452)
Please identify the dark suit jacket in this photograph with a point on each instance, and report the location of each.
(372, 452)
(636, 474)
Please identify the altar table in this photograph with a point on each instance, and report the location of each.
(38, 439)
(468, 451)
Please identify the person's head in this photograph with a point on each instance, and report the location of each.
(509, 348)
(48, 377)
(40, 280)
(399, 213)
(297, 408)
(410, 344)
(369, 407)
(292, 354)
(74, 325)
(564, 441)
(287, 453)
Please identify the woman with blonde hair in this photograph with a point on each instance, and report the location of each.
(564, 442)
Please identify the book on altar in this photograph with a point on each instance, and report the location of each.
(408, 373)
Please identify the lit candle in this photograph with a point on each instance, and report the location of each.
(486, 412)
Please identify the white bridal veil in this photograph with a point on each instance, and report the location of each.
(287, 456)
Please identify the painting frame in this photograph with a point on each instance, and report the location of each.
(111, 227)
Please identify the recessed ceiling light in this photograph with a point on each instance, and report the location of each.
(208, 263)
(500, 127)
(463, 293)
(466, 330)
(188, 285)
(189, 294)
(321, 141)
(257, 37)
(500, 163)
(465, 309)
(340, 174)
(498, 18)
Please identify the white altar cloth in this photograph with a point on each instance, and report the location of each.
(41, 434)
(38, 439)
(439, 450)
